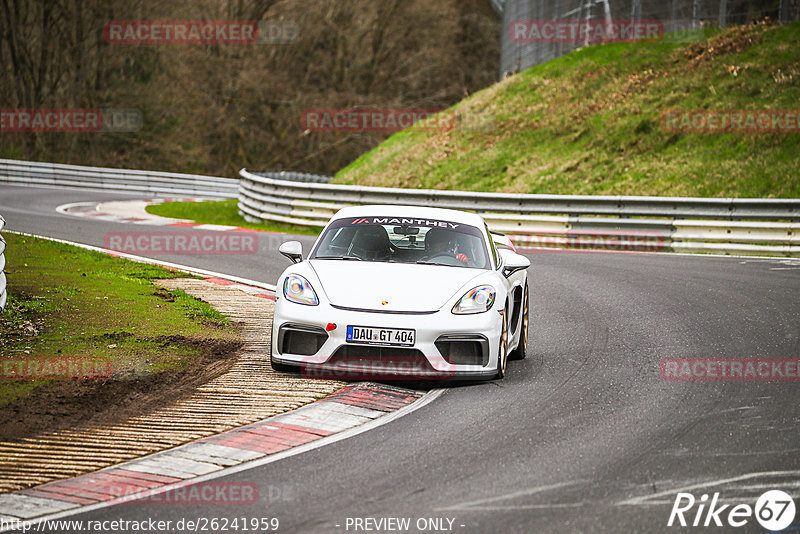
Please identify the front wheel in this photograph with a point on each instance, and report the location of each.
(502, 354)
(519, 351)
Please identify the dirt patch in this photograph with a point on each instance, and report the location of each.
(165, 295)
(69, 403)
(111, 336)
(733, 41)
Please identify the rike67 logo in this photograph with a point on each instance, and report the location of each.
(774, 510)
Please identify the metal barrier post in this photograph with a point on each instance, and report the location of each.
(3, 291)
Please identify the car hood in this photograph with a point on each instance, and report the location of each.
(403, 287)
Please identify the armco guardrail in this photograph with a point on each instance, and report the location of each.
(3, 291)
(737, 226)
(296, 176)
(154, 182)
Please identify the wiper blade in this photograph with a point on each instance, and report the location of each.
(337, 258)
(423, 262)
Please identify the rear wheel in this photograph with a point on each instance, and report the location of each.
(502, 355)
(519, 351)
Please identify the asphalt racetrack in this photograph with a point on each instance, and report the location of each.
(582, 436)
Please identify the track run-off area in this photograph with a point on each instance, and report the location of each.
(585, 435)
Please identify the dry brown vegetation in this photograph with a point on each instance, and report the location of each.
(216, 108)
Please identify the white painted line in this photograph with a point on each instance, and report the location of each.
(760, 488)
(647, 499)
(136, 209)
(423, 401)
(64, 208)
(153, 222)
(720, 500)
(123, 211)
(540, 506)
(480, 504)
(214, 227)
(716, 454)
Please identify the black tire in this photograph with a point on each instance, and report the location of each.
(521, 349)
(502, 355)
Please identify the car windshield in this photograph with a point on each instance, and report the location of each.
(403, 240)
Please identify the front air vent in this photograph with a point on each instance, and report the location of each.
(464, 349)
(300, 339)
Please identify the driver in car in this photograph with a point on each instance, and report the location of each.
(442, 242)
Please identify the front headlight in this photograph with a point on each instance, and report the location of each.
(476, 300)
(297, 289)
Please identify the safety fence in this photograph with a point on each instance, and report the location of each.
(536, 31)
(158, 183)
(714, 225)
(3, 291)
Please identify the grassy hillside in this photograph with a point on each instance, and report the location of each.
(589, 123)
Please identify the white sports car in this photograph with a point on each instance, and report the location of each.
(399, 292)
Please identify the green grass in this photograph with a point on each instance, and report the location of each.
(68, 303)
(589, 123)
(223, 212)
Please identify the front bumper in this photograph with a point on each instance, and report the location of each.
(473, 338)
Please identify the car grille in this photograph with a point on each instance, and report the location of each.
(303, 340)
(464, 350)
(369, 354)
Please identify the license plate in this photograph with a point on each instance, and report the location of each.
(371, 335)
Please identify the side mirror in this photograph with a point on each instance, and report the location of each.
(513, 262)
(292, 250)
